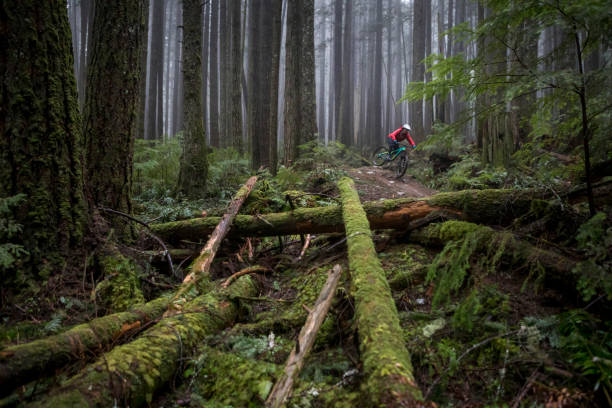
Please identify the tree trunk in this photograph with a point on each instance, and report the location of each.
(214, 75)
(336, 71)
(155, 69)
(276, 26)
(205, 54)
(23, 363)
(110, 111)
(345, 121)
(418, 68)
(194, 160)
(495, 207)
(40, 136)
(135, 371)
(389, 378)
(284, 385)
(235, 127)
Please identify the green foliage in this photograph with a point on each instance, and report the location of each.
(587, 342)
(548, 84)
(156, 165)
(227, 171)
(476, 252)
(11, 253)
(594, 238)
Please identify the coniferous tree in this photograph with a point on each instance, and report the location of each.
(214, 75)
(110, 111)
(300, 106)
(194, 161)
(40, 134)
(235, 129)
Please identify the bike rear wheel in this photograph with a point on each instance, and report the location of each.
(380, 156)
(402, 165)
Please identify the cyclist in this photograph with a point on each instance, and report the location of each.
(399, 135)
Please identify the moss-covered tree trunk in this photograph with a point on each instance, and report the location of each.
(130, 375)
(40, 136)
(23, 363)
(111, 100)
(386, 362)
(483, 206)
(194, 162)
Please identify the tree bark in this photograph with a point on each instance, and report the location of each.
(389, 378)
(40, 135)
(153, 131)
(494, 207)
(201, 266)
(130, 374)
(194, 160)
(214, 74)
(284, 385)
(23, 363)
(110, 111)
(235, 128)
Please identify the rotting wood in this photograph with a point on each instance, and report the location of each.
(284, 385)
(131, 374)
(201, 266)
(389, 378)
(245, 271)
(482, 206)
(23, 363)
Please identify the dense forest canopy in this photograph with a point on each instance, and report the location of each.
(203, 203)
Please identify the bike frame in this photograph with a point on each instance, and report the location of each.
(397, 152)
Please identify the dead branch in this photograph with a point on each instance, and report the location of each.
(245, 271)
(284, 385)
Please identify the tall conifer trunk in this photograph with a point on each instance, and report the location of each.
(194, 163)
(40, 132)
(110, 111)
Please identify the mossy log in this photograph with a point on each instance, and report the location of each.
(516, 250)
(389, 378)
(26, 362)
(201, 266)
(284, 385)
(482, 206)
(130, 374)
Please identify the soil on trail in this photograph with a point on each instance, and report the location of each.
(376, 183)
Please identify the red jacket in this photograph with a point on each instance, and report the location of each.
(395, 135)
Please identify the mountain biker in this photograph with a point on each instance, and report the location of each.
(399, 135)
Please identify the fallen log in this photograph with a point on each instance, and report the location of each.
(389, 378)
(284, 385)
(201, 266)
(516, 250)
(129, 375)
(482, 206)
(23, 363)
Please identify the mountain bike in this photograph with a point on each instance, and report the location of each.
(382, 156)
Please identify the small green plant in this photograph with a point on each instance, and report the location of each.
(10, 251)
(595, 240)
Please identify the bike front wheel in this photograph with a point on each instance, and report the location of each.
(402, 165)
(380, 156)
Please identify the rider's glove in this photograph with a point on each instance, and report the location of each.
(414, 146)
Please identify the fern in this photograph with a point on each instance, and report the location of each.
(595, 240)
(10, 251)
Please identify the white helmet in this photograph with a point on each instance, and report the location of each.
(407, 127)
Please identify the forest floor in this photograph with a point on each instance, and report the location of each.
(493, 341)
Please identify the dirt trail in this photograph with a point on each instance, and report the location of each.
(375, 183)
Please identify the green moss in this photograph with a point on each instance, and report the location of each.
(386, 361)
(121, 288)
(230, 379)
(137, 369)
